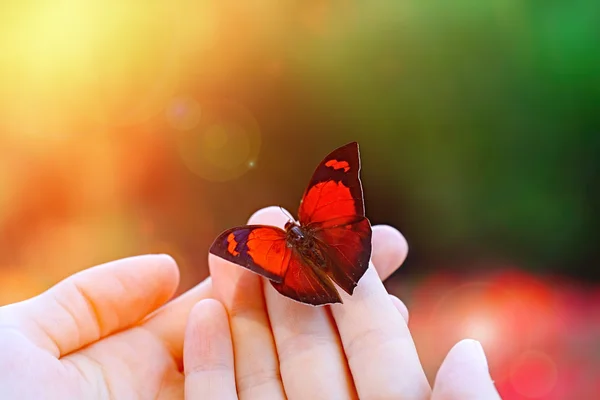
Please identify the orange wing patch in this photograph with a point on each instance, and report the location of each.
(334, 189)
(268, 250)
(327, 200)
(335, 164)
(260, 248)
(232, 244)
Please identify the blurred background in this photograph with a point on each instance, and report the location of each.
(128, 129)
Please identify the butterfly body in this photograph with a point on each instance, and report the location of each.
(331, 242)
(302, 241)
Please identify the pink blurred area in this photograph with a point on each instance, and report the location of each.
(539, 334)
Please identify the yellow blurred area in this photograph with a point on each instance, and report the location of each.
(116, 62)
(93, 95)
(72, 62)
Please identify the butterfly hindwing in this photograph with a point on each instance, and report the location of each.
(307, 285)
(334, 189)
(260, 248)
(347, 243)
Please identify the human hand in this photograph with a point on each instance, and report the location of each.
(91, 335)
(284, 349)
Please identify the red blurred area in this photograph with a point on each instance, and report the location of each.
(539, 333)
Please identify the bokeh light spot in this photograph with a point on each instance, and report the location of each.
(183, 113)
(216, 137)
(481, 327)
(226, 145)
(223, 144)
(479, 311)
(533, 374)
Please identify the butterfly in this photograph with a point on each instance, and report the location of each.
(330, 242)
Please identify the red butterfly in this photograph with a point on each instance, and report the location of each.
(332, 240)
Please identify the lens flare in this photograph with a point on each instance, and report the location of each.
(480, 311)
(225, 143)
(534, 374)
(183, 113)
(481, 327)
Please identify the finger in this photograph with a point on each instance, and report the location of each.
(464, 374)
(208, 354)
(389, 250)
(378, 345)
(96, 302)
(169, 322)
(240, 291)
(311, 359)
(400, 306)
(306, 337)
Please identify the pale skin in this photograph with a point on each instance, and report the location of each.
(109, 332)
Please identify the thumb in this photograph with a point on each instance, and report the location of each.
(464, 374)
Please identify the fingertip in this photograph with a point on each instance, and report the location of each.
(389, 249)
(170, 322)
(161, 264)
(109, 297)
(468, 351)
(171, 270)
(165, 259)
(207, 321)
(162, 261)
(159, 271)
(273, 215)
(208, 310)
(208, 352)
(464, 374)
(401, 307)
(167, 271)
(207, 338)
(223, 271)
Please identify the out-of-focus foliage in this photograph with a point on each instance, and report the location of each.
(127, 129)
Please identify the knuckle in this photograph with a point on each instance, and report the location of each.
(256, 378)
(371, 340)
(208, 368)
(304, 343)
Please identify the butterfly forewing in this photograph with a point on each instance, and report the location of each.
(333, 211)
(260, 248)
(334, 189)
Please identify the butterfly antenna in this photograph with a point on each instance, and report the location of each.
(287, 214)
